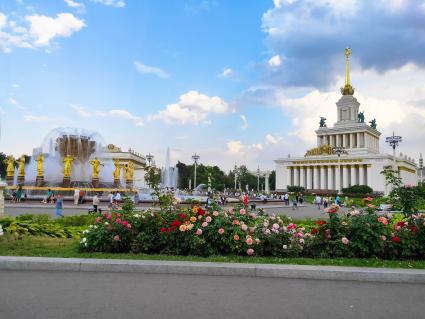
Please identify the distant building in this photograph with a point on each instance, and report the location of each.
(360, 164)
(421, 170)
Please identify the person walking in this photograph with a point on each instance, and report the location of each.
(287, 199)
(59, 206)
(318, 201)
(19, 194)
(294, 203)
(95, 202)
(76, 196)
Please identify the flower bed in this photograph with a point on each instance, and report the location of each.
(199, 232)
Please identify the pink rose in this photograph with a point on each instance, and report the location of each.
(204, 224)
(257, 241)
(345, 240)
(109, 217)
(215, 213)
(250, 252)
(128, 226)
(384, 238)
(117, 238)
(301, 241)
(242, 211)
(221, 231)
(275, 226)
(198, 232)
(118, 221)
(208, 219)
(249, 241)
(253, 215)
(98, 220)
(125, 223)
(244, 227)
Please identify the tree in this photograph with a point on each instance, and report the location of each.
(2, 165)
(272, 180)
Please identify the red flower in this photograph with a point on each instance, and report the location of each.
(201, 211)
(401, 224)
(414, 229)
(125, 223)
(163, 229)
(118, 221)
(320, 222)
(176, 223)
(396, 239)
(314, 231)
(182, 216)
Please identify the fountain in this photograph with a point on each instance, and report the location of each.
(169, 174)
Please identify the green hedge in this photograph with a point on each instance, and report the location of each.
(358, 189)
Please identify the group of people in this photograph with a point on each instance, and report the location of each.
(79, 196)
(18, 194)
(325, 201)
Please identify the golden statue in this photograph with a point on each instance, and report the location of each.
(324, 149)
(67, 165)
(347, 89)
(10, 168)
(117, 170)
(21, 167)
(95, 163)
(129, 171)
(40, 161)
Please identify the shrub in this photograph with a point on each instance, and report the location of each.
(295, 189)
(358, 190)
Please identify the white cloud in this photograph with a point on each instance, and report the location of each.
(192, 107)
(235, 147)
(270, 139)
(43, 28)
(257, 146)
(3, 20)
(244, 121)
(15, 86)
(275, 61)
(81, 111)
(123, 114)
(142, 68)
(36, 118)
(16, 104)
(112, 3)
(226, 73)
(74, 4)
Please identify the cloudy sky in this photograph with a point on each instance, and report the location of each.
(235, 81)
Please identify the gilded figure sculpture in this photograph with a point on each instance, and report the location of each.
(129, 171)
(10, 166)
(21, 166)
(95, 163)
(117, 170)
(40, 160)
(347, 89)
(67, 161)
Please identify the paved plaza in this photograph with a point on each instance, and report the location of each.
(13, 209)
(63, 295)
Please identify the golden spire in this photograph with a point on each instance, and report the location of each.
(347, 89)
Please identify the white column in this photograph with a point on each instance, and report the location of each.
(330, 179)
(302, 176)
(344, 140)
(297, 176)
(353, 175)
(338, 178)
(345, 176)
(333, 143)
(359, 144)
(309, 183)
(361, 174)
(368, 180)
(323, 177)
(316, 177)
(351, 140)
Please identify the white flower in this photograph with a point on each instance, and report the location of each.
(106, 223)
(86, 231)
(285, 247)
(83, 240)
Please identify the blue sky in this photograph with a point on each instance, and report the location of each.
(235, 81)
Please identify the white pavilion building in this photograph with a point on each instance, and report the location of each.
(361, 162)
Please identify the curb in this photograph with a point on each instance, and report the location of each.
(393, 275)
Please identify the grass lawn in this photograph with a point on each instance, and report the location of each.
(68, 248)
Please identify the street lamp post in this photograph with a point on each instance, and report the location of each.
(258, 179)
(236, 175)
(149, 157)
(195, 157)
(338, 151)
(393, 142)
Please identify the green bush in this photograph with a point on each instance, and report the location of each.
(358, 189)
(295, 189)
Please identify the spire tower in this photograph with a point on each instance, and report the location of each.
(347, 89)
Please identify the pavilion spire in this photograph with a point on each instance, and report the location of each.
(347, 89)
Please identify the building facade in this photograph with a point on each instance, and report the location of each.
(360, 162)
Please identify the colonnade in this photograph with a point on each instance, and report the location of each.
(350, 140)
(328, 177)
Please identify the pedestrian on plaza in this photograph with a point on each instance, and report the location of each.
(245, 200)
(76, 196)
(96, 201)
(338, 200)
(301, 199)
(294, 203)
(325, 202)
(59, 206)
(287, 199)
(318, 201)
(19, 193)
(49, 196)
(81, 196)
